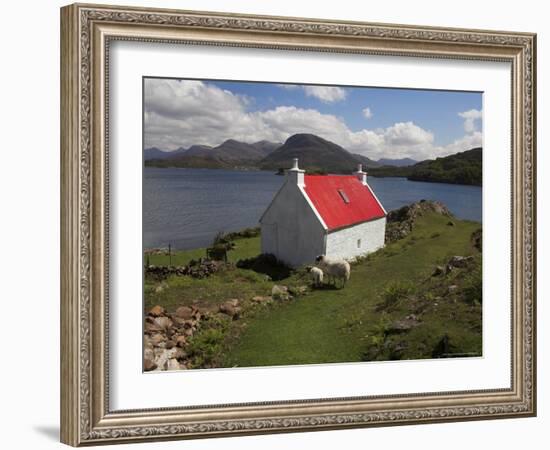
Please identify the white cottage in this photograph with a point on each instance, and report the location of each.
(334, 215)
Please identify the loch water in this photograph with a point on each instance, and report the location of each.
(186, 208)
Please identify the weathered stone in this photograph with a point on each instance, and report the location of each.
(162, 360)
(149, 365)
(297, 290)
(152, 327)
(189, 324)
(157, 311)
(180, 354)
(170, 344)
(400, 222)
(148, 353)
(452, 288)
(439, 270)
(230, 309)
(279, 292)
(173, 364)
(459, 261)
(163, 322)
(260, 299)
(402, 326)
(450, 223)
(157, 338)
(184, 312)
(181, 341)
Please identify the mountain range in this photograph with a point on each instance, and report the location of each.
(315, 154)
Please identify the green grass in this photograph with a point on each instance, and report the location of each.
(244, 248)
(207, 292)
(335, 325)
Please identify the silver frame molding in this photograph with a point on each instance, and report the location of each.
(86, 31)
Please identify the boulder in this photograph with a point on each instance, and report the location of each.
(152, 327)
(162, 360)
(297, 290)
(230, 309)
(260, 299)
(157, 311)
(148, 365)
(279, 292)
(163, 322)
(184, 312)
(173, 364)
(459, 261)
(404, 325)
(157, 338)
(439, 270)
(148, 353)
(181, 341)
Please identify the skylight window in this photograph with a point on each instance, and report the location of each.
(343, 195)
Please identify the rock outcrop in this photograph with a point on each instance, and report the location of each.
(400, 222)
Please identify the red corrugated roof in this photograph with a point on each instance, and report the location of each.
(342, 200)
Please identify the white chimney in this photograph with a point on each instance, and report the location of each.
(296, 175)
(361, 176)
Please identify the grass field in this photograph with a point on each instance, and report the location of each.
(369, 319)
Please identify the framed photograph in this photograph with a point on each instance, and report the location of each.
(276, 224)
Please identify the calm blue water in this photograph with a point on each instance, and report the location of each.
(188, 207)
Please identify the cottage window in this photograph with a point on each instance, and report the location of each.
(358, 243)
(343, 195)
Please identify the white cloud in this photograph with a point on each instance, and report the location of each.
(367, 113)
(470, 117)
(327, 94)
(184, 113)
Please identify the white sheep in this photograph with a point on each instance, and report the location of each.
(316, 275)
(337, 269)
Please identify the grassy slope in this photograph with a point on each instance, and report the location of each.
(335, 325)
(325, 325)
(211, 291)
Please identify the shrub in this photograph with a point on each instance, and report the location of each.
(206, 347)
(393, 293)
(473, 287)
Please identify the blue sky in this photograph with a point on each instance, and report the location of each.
(436, 111)
(376, 122)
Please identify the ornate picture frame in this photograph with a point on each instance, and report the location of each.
(86, 34)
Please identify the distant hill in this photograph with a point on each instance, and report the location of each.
(460, 168)
(402, 162)
(315, 154)
(155, 153)
(367, 162)
(266, 147)
(230, 154)
(318, 155)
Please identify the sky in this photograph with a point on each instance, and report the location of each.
(375, 122)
